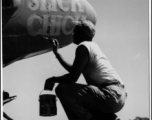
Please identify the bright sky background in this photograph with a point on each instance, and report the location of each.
(122, 34)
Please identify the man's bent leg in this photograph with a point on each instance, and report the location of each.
(80, 100)
(74, 109)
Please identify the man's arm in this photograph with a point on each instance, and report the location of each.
(55, 45)
(79, 64)
(66, 65)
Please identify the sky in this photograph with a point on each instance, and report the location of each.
(122, 32)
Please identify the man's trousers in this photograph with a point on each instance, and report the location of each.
(81, 101)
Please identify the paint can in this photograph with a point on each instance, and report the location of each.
(47, 104)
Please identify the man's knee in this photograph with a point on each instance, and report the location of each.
(59, 89)
(63, 89)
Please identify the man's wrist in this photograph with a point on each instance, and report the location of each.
(53, 79)
(57, 54)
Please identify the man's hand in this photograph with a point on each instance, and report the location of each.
(55, 45)
(53, 42)
(49, 84)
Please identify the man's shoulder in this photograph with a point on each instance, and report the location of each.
(82, 50)
(88, 44)
(82, 47)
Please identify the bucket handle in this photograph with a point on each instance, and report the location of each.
(43, 90)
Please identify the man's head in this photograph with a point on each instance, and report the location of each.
(83, 31)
